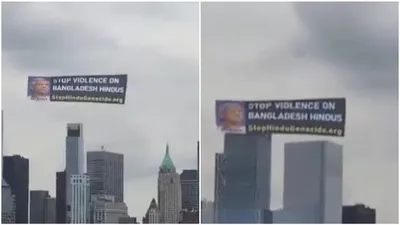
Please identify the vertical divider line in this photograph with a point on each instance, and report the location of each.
(199, 143)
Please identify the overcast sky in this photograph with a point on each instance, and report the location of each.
(309, 50)
(156, 44)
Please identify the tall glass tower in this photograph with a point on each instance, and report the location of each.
(106, 172)
(313, 181)
(75, 159)
(243, 179)
(16, 174)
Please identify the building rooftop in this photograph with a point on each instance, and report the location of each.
(4, 183)
(153, 205)
(189, 175)
(167, 163)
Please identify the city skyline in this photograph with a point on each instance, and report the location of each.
(307, 50)
(122, 110)
(51, 191)
(154, 112)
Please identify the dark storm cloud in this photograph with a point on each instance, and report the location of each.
(362, 37)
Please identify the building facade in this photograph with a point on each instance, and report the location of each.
(358, 213)
(7, 204)
(298, 215)
(50, 210)
(75, 161)
(313, 181)
(207, 211)
(107, 210)
(242, 179)
(80, 198)
(152, 214)
(37, 206)
(169, 191)
(190, 190)
(16, 174)
(106, 171)
(189, 217)
(61, 192)
(130, 220)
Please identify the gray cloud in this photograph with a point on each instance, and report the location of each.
(162, 10)
(88, 38)
(289, 51)
(357, 36)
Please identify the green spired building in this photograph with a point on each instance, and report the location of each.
(169, 191)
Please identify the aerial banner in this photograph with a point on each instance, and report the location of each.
(309, 116)
(97, 88)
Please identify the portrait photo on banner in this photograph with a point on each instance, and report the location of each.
(231, 116)
(39, 88)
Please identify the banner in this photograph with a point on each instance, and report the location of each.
(308, 116)
(98, 88)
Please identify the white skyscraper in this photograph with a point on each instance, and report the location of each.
(75, 159)
(80, 198)
(169, 191)
(313, 182)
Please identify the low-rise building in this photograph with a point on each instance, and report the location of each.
(7, 204)
(358, 213)
(129, 220)
(50, 210)
(189, 216)
(106, 210)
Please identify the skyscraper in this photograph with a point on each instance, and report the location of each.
(106, 172)
(358, 214)
(7, 204)
(242, 179)
(190, 190)
(37, 206)
(152, 214)
(74, 164)
(61, 205)
(219, 185)
(313, 181)
(16, 174)
(169, 191)
(80, 199)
